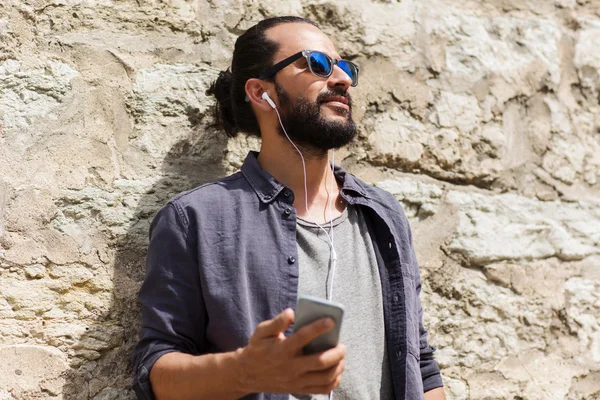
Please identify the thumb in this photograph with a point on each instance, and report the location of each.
(275, 326)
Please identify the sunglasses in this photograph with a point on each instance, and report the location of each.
(319, 64)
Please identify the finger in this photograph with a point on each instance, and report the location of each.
(273, 327)
(325, 360)
(323, 378)
(309, 332)
(323, 389)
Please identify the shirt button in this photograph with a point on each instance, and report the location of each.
(390, 245)
(286, 193)
(288, 211)
(395, 298)
(291, 259)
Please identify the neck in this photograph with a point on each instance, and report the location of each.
(282, 161)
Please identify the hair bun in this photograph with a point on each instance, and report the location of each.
(221, 89)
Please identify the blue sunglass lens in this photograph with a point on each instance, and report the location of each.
(320, 64)
(349, 69)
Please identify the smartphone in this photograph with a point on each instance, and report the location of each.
(310, 309)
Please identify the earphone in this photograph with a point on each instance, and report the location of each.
(266, 97)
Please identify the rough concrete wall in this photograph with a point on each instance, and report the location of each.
(482, 117)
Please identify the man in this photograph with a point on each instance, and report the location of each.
(228, 260)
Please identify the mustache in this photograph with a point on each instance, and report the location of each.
(335, 92)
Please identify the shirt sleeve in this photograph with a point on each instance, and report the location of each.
(430, 371)
(173, 310)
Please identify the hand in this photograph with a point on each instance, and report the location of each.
(274, 363)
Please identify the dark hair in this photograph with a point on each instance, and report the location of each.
(253, 53)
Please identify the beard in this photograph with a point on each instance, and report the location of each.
(308, 129)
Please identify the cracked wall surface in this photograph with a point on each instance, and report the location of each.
(481, 117)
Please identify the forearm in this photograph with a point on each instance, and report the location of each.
(435, 394)
(180, 376)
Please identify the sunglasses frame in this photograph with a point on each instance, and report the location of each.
(306, 54)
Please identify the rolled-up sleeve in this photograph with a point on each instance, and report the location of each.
(173, 311)
(430, 371)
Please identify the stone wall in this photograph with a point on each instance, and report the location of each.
(481, 117)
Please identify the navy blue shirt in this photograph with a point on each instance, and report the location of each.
(223, 258)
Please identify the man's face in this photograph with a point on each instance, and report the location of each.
(316, 112)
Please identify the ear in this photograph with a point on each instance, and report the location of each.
(254, 89)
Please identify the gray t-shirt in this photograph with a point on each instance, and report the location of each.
(357, 286)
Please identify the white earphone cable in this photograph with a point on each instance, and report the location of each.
(331, 248)
(333, 253)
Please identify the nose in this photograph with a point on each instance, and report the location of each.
(339, 78)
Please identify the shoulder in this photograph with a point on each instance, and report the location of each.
(209, 192)
(380, 198)
(209, 198)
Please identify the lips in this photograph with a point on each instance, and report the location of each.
(338, 99)
(338, 102)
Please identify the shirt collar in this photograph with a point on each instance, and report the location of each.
(267, 187)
